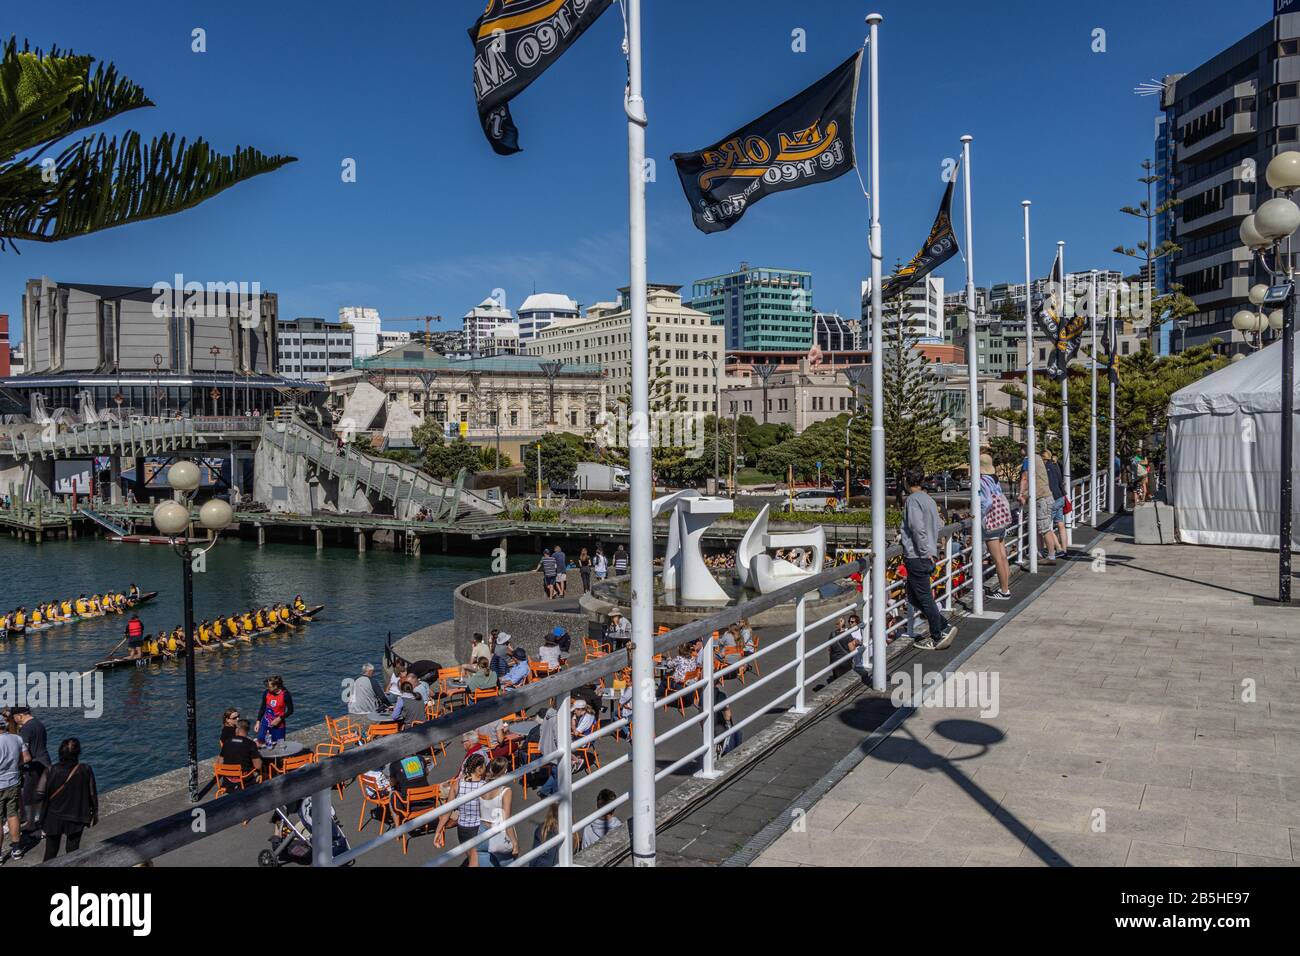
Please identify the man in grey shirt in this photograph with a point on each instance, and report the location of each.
(921, 527)
(13, 754)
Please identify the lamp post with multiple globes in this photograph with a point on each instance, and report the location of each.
(172, 518)
(1267, 233)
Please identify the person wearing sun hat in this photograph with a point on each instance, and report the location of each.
(996, 512)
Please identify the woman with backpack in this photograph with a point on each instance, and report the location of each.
(996, 513)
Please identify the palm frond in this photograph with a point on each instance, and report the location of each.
(102, 183)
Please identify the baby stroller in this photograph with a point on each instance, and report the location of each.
(291, 842)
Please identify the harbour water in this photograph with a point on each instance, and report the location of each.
(141, 731)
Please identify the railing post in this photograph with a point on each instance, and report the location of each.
(1020, 537)
(707, 771)
(800, 655)
(565, 776)
(947, 572)
(877, 636)
(322, 829)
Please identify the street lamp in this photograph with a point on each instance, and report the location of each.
(1268, 235)
(717, 412)
(172, 518)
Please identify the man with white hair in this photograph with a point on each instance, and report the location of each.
(367, 694)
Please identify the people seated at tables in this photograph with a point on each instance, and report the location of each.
(678, 667)
(228, 721)
(480, 647)
(584, 721)
(503, 656)
(517, 676)
(407, 773)
(408, 708)
(562, 638)
(549, 652)
(241, 750)
(619, 631)
(482, 677)
(598, 828)
(367, 695)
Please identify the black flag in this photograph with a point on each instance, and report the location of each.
(940, 246)
(515, 41)
(1064, 333)
(807, 139)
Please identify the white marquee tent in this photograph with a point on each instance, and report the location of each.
(1224, 454)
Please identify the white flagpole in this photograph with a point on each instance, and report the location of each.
(1031, 441)
(1110, 386)
(641, 492)
(1092, 427)
(878, 603)
(972, 371)
(1065, 407)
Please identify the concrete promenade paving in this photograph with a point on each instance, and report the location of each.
(1148, 715)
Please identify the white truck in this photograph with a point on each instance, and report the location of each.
(594, 476)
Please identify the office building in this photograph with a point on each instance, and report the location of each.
(481, 321)
(686, 352)
(1227, 118)
(833, 333)
(542, 310)
(391, 340)
(922, 313)
(759, 308)
(311, 349)
(365, 329)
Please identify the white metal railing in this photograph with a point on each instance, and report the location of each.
(786, 682)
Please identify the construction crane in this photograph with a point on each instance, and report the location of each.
(426, 319)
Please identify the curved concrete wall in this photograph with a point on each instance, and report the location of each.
(483, 604)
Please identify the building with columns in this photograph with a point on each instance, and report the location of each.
(488, 399)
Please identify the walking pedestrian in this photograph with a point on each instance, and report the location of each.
(71, 800)
(584, 569)
(13, 758)
(547, 567)
(600, 564)
(996, 512)
(921, 527)
(1042, 507)
(34, 739)
(561, 570)
(621, 562)
(1056, 481)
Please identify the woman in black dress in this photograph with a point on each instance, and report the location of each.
(71, 799)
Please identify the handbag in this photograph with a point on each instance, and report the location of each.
(1068, 507)
(998, 515)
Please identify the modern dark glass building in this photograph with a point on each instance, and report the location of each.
(1225, 120)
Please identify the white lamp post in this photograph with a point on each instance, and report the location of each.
(1268, 234)
(172, 518)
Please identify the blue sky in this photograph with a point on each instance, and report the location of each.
(436, 221)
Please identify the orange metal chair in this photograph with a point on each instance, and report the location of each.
(674, 686)
(343, 731)
(373, 794)
(290, 764)
(485, 694)
(417, 801)
(446, 693)
(380, 730)
(532, 751)
(539, 669)
(231, 776)
(332, 750)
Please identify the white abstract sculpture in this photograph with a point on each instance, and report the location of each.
(757, 569)
(685, 573)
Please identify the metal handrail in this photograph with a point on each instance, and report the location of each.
(177, 830)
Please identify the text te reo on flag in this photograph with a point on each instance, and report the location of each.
(940, 246)
(515, 42)
(807, 139)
